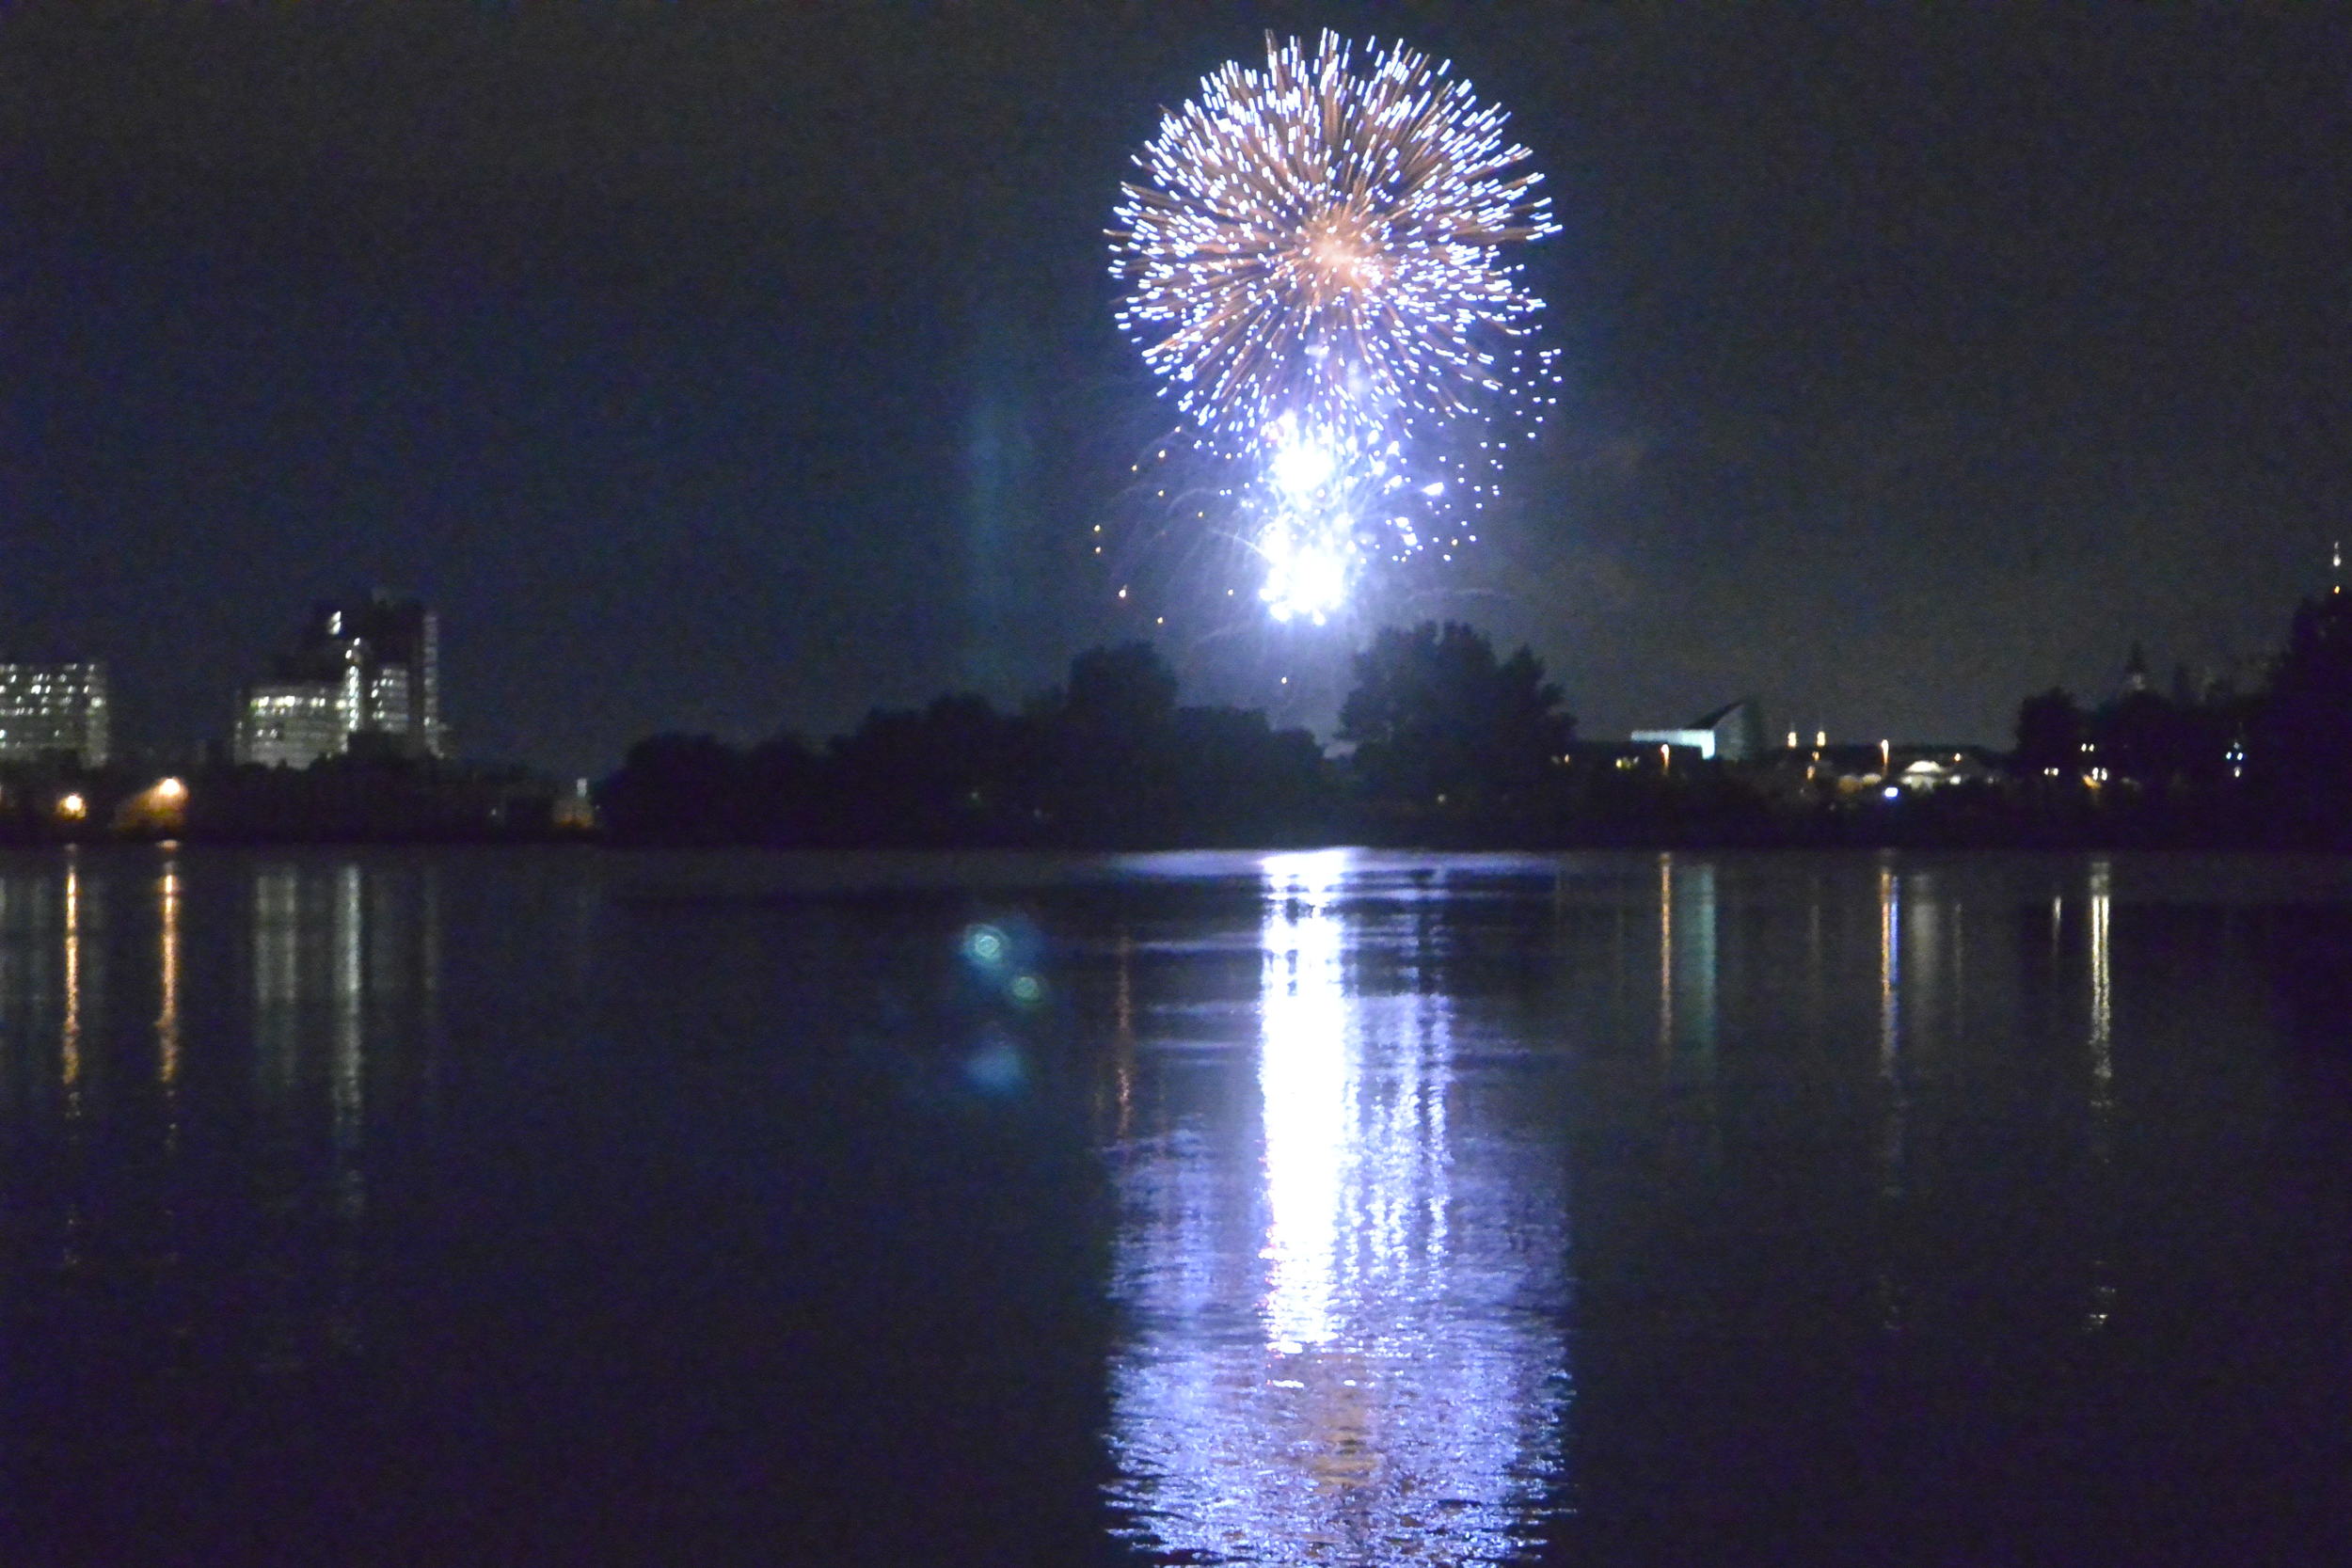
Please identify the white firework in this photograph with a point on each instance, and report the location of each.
(1328, 247)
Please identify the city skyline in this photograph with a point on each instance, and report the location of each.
(366, 669)
(752, 374)
(360, 672)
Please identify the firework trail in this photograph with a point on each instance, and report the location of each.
(1318, 268)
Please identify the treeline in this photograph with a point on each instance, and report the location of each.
(1109, 760)
(1441, 731)
(371, 799)
(1442, 743)
(2270, 767)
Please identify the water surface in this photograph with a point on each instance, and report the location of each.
(1328, 1207)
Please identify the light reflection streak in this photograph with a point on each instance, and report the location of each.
(268, 1040)
(323, 941)
(1123, 1031)
(79, 973)
(1890, 970)
(1921, 935)
(1959, 970)
(1894, 1294)
(52, 962)
(2100, 1309)
(167, 965)
(1687, 959)
(346, 1108)
(1665, 955)
(2102, 987)
(1307, 1079)
(427, 982)
(345, 1087)
(1341, 1340)
(277, 978)
(70, 1024)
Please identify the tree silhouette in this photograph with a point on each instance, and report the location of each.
(2050, 732)
(1127, 691)
(681, 789)
(1435, 715)
(2142, 737)
(2301, 749)
(1108, 780)
(947, 774)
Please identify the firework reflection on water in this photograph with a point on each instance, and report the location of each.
(1341, 1345)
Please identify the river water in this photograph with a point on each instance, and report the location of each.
(1324, 1208)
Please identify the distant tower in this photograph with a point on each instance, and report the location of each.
(366, 668)
(2335, 566)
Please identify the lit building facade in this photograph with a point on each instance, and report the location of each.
(366, 673)
(293, 724)
(50, 712)
(1733, 733)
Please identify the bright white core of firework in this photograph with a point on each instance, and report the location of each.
(1308, 541)
(1302, 466)
(1307, 570)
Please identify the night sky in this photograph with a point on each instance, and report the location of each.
(737, 368)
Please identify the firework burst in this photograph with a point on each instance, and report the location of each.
(1323, 247)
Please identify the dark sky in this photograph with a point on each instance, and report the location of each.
(732, 368)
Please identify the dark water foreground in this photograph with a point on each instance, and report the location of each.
(563, 1208)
